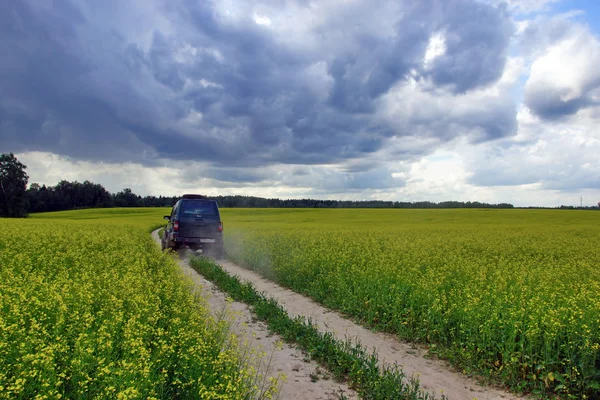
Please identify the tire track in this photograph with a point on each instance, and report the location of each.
(434, 375)
(305, 380)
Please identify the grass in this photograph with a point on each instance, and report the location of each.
(345, 360)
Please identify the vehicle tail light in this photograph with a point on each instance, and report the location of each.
(220, 227)
(176, 226)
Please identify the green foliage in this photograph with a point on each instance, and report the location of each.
(67, 195)
(509, 294)
(13, 183)
(74, 195)
(343, 359)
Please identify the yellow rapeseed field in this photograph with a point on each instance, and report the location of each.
(511, 294)
(90, 308)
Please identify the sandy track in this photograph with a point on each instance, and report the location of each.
(434, 375)
(287, 360)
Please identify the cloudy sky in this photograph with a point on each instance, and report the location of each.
(487, 100)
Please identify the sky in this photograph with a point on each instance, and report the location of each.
(406, 100)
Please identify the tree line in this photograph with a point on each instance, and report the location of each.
(17, 200)
(73, 195)
(260, 202)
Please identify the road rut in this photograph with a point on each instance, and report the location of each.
(305, 380)
(434, 375)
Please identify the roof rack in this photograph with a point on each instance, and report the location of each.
(193, 196)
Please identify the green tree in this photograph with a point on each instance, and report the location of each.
(126, 198)
(13, 186)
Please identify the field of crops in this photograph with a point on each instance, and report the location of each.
(90, 308)
(510, 294)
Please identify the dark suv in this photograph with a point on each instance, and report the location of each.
(194, 222)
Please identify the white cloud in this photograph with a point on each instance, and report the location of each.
(435, 48)
(566, 77)
(262, 20)
(418, 109)
(561, 157)
(48, 169)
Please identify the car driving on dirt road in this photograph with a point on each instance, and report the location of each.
(195, 222)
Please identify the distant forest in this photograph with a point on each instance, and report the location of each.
(73, 195)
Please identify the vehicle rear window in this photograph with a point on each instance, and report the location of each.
(199, 207)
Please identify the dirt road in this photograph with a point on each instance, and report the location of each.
(435, 375)
(305, 380)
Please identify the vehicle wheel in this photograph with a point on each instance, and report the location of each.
(171, 244)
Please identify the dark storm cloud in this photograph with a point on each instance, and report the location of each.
(44, 102)
(360, 78)
(480, 119)
(227, 175)
(322, 180)
(476, 40)
(81, 81)
(550, 103)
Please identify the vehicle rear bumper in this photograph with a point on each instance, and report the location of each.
(197, 241)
